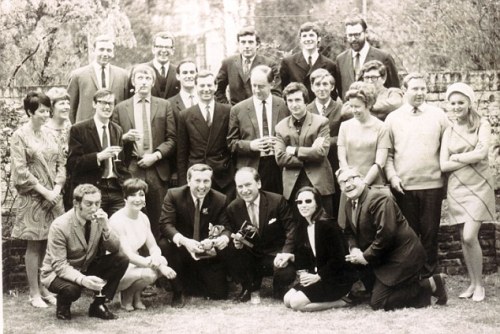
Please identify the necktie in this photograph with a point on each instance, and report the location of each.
(191, 100)
(246, 67)
(356, 66)
(196, 228)
(323, 111)
(253, 214)
(105, 143)
(146, 145)
(265, 125)
(208, 116)
(162, 71)
(103, 76)
(87, 230)
(415, 110)
(310, 61)
(354, 212)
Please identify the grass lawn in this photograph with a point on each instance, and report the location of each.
(201, 316)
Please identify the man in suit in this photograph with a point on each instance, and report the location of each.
(166, 84)
(100, 74)
(187, 214)
(95, 147)
(322, 84)
(74, 260)
(251, 129)
(149, 139)
(303, 142)
(235, 70)
(272, 250)
(350, 62)
(299, 66)
(383, 244)
(202, 132)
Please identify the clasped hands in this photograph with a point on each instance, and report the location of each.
(195, 247)
(263, 144)
(356, 256)
(281, 260)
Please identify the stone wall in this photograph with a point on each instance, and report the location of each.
(487, 87)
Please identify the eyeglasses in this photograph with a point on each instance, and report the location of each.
(188, 72)
(307, 201)
(371, 78)
(349, 179)
(164, 47)
(105, 103)
(355, 35)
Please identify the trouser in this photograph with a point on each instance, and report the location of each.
(410, 293)
(111, 195)
(270, 175)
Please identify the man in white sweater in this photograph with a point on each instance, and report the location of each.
(416, 129)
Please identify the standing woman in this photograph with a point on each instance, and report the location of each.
(320, 250)
(38, 173)
(471, 198)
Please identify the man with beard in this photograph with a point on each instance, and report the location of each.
(350, 62)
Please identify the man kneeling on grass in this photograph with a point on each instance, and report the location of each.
(75, 256)
(388, 252)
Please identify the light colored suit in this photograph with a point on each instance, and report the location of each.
(68, 254)
(83, 84)
(313, 160)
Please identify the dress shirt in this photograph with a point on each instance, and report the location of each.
(311, 235)
(362, 55)
(138, 146)
(98, 73)
(158, 66)
(211, 106)
(256, 203)
(319, 106)
(314, 56)
(177, 237)
(185, 97)
(269, 109)
(99, 126)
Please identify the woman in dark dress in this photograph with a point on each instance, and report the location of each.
(324, 276)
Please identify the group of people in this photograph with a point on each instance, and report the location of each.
(322, 173)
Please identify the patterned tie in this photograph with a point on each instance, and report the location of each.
(146, 144)
(103, 76)
(246, 67)
(105, 143)
(208, 116)
(253, 214)
(196, 227)
(357, 66)
(323, 111)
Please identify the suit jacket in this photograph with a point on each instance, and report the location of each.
(277, 227)
(198, 143)
(388, 243)
(313, 160)
(294, 68)
(163, 131)
(231, 73)
(84, 144)
(177, 214)
(335, 118)
(172, 85)
(177, 106)
(244, 127)
(346, 69)
(68, 254)
(83, 85)
(331, 249)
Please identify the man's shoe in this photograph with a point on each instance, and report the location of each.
(441, 294)
(353, 299)
(243, 297)
(101, 311)
(178, 300)
(63, 312)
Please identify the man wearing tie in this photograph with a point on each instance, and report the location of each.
(100, 74)
(149, 139)
(251, 129)
(235, 70)
(95, 155)
(350, 62)
(299, 66)
(187, 214)
(272, 251)
(187, 97)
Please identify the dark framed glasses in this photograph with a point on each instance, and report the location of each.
(307, 201)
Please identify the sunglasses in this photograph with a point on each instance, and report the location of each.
(307, 201)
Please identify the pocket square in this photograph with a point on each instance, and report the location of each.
(272, 221)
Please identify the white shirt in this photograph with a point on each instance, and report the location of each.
(311, 235)
(139, 126)
(158, 66)
(185, 97)
(362, 55)
(319, 106)
(178, 236)
(269, 112)
(211, 107)
(314, 56)
(98, 74)
(100, 132)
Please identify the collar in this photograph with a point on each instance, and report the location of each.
(203, 106)
(196, 198)
(158, 66)
(99, 124)
(410, 109)
(363, 52)
(256, 201)
(98, 67)
(319, 106)
(251, 59)
(79, 219)
(258, 103)
(313, 55)
(299, 122)
(138, 98)
(185, 95)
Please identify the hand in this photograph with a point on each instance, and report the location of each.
(356, 256)
(193, 246)
(259, 144)
(93, 283)
(167, 271)
(156, 261)
(147, 160)
(397, 185)
(318, 142)
(308, 279)
(236, 240)
(221, 242)
(281, 259)
(290, 150)
(132, 135)
(272, 142)
(101, 218)
(108, 152)
(52, 196)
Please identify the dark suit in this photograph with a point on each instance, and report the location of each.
(276, 235)
(294, 68)
(84, 144)
(177, 105)
(164, 135)
(231, 73)
(345, 69)
(198, 143)
(170, 84)
(243, 128)
(391, 248)
(83, 84)
(206, 276)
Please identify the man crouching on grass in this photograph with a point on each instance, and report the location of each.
(388, 252)
(75, 255)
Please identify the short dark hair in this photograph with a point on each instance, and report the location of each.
(163, 35)
(102, 93)
(33, 100)
(84, 189)
(308, 26)
(185, 61)
(248, 31)
(374, 65)
(293, 87)
(198, 168)
(251, 170)
(352, 21)
(320, 211)
(204, 74)
(363, 91)
(268, 71)
(133, 185)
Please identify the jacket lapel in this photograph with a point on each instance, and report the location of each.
(154, 109)
(301, 62)
(93, 76)
(78, 231)
(305, 128)
(239, 66)
(252, 115)
(199, 122)
(94, 134)
(263, 207)
(216, 125)
(111, 76)
(130, 112)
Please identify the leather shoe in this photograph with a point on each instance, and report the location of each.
(441, 294)
(63, 312)
(243, 297)
(101, 311)
(178, 300)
